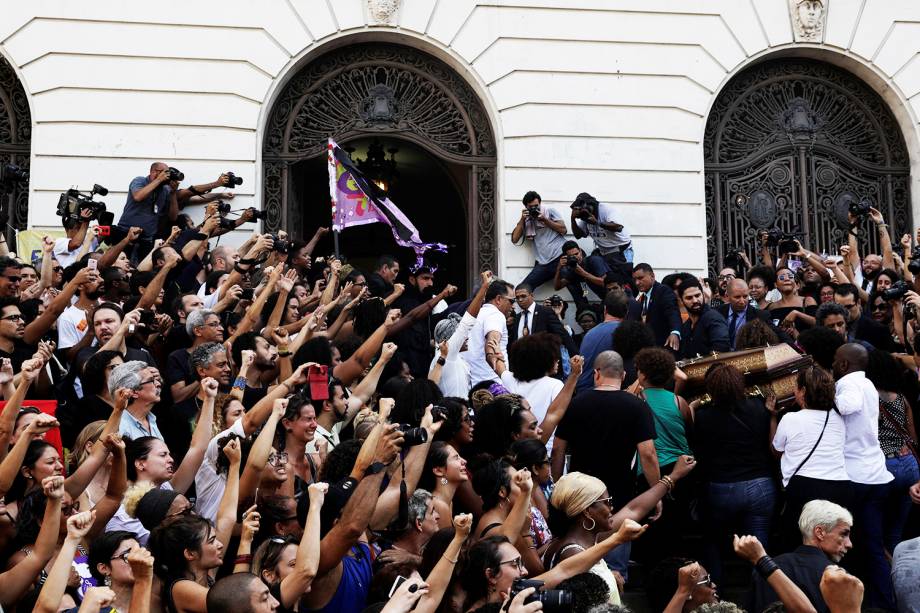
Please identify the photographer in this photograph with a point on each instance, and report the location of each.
(66, 249)
(612, 242)
(574, 270)
(546, 228)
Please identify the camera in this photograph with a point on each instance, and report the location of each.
(860, 209)
(533, 211)
(257, 214)
(733, 258)
(897, 290)
(73, 203)
(585, 205)
(223, 207)
(227, 224)
(281, 245)
(147, 319)
(785, 241)
(10, 174)
(438, 413)
(412, 436)
(555, 300)
(553, 600)
(914, 265)
(571, 261)
(232, 180)
(247, 294)
(174, 174)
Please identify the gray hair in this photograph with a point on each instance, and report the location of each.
(445, 328)
(418, 506)
(126, 376)
(610, 364)
(822, 513)
(196, 319)
(203, 354)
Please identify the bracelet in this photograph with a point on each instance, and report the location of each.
(448, 559)
(283, 349)
(240, 269)
(766, 566)
(244, 559)
(441, 361)
(881, 225)
(240, 383)
(284, 354)
(665, 481)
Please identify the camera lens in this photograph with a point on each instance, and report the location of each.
(413, 436)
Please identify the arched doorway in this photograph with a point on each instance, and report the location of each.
(408, 100)
(15, 139)
(790, 144)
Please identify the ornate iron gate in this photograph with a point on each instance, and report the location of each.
(15, 139)
(789, 144)
(369, 89)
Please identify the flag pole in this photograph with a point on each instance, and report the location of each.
(330, 158)
(335, 240)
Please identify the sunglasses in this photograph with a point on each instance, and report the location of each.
(58, 269)
(13, 279)
(785, 277)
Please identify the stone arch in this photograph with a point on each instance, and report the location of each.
(15, 143)
(788, 143)
(386, 89)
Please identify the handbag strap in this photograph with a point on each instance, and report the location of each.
(817, 442)
(911, 444)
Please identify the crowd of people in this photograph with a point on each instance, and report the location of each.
(193, 427)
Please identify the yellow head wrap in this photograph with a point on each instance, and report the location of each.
(575, 492)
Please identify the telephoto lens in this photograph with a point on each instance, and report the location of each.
(413, 436)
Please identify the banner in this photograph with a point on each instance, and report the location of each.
(357, 201)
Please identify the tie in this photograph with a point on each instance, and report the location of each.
(643, 302)
(731, 329)
(526, 322)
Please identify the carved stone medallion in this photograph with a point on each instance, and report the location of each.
(382, 12)
(808, 18)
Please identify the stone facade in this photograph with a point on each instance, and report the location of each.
(605, 96)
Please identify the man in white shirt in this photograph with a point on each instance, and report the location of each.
(491, 324)
(858, 402)
(598, 220)
(66, 249)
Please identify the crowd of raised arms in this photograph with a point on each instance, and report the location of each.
(274, 428)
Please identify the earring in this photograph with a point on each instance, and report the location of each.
(108, 581)
(593, 524)
(443, 480)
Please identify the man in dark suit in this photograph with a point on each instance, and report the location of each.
(380, 282)
(738, 310)
(705, 331)
(536, 318)
(656, 306)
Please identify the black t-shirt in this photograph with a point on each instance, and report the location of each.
(177, 338)
(21, 352)
(178, 368)
(76, 416)
(602, 429)
(734, 445)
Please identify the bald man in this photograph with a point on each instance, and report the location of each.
(738, 309)
(857, 400)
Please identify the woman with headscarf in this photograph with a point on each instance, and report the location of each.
(581, 511)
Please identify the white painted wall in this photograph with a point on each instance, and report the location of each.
(605, 96)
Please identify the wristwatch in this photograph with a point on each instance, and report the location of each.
(374, 468)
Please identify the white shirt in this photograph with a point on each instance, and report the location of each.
(455, 374)
(539, 393)
(490, 320)
(72, 327)
(858, 402)
(605, 240)
(65, 256)
(210, 486)
(796, 436)
(209, 301)
(531, 310)
(122, 521)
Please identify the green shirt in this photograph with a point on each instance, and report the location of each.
(671, 442)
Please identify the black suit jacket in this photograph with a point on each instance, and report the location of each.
(710, 334)
(874, 333)
(752, 313)
(662, 315)
(544, 320)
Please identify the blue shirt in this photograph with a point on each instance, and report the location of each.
(598, 339)
(740, 320)
(145, 214)
(133, 428)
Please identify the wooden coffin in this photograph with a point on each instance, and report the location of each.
(767, 369)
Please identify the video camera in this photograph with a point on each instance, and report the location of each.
(73, 203)
(784, 240)
(10, 175)
(553, 600)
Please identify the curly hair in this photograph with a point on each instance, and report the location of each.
(725, 384)
(221, 406)
(496, 425)
(134, 494)
(765, 274)
(412, 400)
(656, 364)
(755, 333)
(631, 336)
(533, 356)
(369, 314)
(821, 344)
(885, 371)
(488, 481)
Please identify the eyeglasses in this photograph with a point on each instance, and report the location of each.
(518, 561)
(724, 277)
(362, 284)
(277, 459)
(214, 324)
(123, 556)
(707, 581)
(849, 306)
(58, 269)
(607, 501)
(143, 383)
(785, 277)
(13, 317)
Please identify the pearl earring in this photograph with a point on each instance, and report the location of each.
(443, 480)
(108, 581)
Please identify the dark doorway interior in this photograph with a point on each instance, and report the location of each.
(426, 189)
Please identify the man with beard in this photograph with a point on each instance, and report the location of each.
(726, 275)
(380, 282)
(74, 322)
(263, 368)
(203, 326)
(207, 359)
(705, 330)
(415, 341)
(117, 286)
(111, 327)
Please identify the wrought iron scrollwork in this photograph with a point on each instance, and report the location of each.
(789, 144)
(380, 88)
(15, 139)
